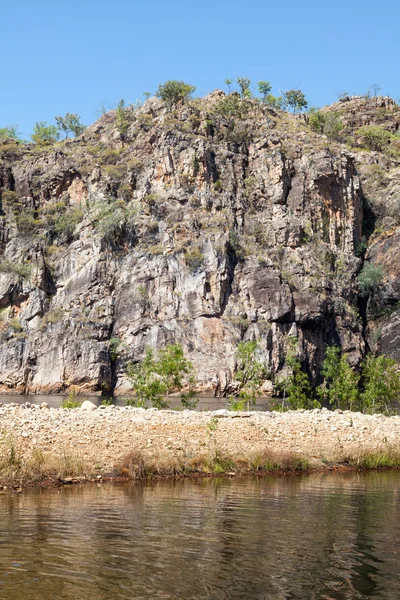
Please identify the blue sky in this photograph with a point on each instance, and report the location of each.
(63, 56)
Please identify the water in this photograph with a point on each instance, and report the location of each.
(291, 537)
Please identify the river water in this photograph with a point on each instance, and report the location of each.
(290, 537)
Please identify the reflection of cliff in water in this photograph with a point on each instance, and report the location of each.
(320, 536)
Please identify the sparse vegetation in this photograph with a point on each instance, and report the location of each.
(70, 123)
(159, 374)
(250, 372)
(43, 133)
(370, 279)
(174, 91)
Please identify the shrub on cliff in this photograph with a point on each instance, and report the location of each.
(159, 374)
(375, 137)
(173, 91)
(43, 133)
(9, 132)
(369, 279)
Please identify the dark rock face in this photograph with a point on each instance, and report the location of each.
(191, 229)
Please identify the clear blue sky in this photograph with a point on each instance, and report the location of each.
(63, 56)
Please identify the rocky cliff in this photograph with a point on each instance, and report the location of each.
(216, 221)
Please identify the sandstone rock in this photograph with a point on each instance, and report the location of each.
(216, 237)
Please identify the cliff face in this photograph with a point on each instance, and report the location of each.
(206, 225)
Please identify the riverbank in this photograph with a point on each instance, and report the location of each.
(49, 445)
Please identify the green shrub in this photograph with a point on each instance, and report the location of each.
(194, 259)
(375, 137)
(22, 271)
(296, 385)
(114, 171)
(231, 108)
(158, 375)
(9, 197)
(218, 185)
(250, 373)
(370, 279)
(43, 133)
(9, 132)
(173, 91)
(340, 386)
(381, 384)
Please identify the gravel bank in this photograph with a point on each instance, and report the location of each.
(100, 441)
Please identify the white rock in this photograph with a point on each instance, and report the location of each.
(88, 405)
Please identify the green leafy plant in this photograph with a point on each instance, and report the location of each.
(195, 260)
(174, 91)
(244, 85)
(370, 279)
(296, 100)
(70, 123)
(70, 401)
(381, 384)
(374, 137)
(121, 120)
(340, 385)
(43, 133)
(250, 373)
(160, 374)
(9, 132)
(264, 87)
(296, 386)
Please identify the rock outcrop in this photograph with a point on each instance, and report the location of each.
(199, 225)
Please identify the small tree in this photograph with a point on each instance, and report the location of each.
(296, 100)
(159, 375)
(43, 133)
(250, 372)
(228, 83)
(121, 121)
(381, 384)
(276, 102)
(9, 131)
(340, 387)
(296, 386)
(264, 87)
(244, 85)
(147, 95)
(174, 91)
(70, 123)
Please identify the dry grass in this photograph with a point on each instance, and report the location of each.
(137, 466)
(38, 466)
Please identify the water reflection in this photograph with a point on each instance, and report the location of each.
(321, 536)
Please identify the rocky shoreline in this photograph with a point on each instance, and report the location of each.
(41, 444)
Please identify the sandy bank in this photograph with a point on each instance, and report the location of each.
(38, 443)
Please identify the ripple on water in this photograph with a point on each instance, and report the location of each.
(323, 536)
